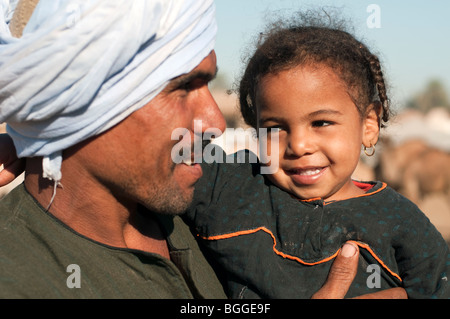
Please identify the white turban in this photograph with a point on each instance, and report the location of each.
(82, 66)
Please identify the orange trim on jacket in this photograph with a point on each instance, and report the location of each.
(383, 186)
(294, 258)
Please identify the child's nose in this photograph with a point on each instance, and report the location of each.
(300, 143)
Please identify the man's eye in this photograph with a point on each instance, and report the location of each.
(186, 86)
(192, 85)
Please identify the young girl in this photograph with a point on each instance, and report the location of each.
(323, 94)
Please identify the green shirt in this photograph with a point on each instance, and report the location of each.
(40, 257)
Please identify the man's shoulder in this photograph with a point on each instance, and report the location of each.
(22, 253)
(11, 210)
(17, 260)
(18, 210)
(15, 210)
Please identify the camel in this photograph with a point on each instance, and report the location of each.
(414, 169)
(393, 160)
(426, 174)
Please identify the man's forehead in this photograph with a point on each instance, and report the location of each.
(206, 68)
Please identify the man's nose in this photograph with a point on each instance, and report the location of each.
(210, 115)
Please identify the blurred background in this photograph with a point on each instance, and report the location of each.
(411, 39)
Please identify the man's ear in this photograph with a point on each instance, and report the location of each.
(372, 124)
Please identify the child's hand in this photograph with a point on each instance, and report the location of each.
(13, 166)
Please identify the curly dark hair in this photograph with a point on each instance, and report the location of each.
(312, 38)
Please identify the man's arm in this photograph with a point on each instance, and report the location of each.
(342, 273)
(13, 166)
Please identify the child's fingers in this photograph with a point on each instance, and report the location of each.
(13, 166)
(7, 150)
(11, 172)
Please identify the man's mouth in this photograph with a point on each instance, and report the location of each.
(193, 159)
(188, 162)
(192, 171)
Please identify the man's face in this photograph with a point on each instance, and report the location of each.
(133, 159)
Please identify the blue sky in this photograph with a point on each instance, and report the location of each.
(413, 41)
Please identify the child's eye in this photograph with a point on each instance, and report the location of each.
(273, 129)
(321, 123)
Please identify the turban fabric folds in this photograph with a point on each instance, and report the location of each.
(82, 66)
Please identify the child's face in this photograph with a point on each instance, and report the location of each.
(320, 131)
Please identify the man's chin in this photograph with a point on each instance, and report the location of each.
(175, 203)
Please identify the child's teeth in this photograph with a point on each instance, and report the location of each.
(310, 172)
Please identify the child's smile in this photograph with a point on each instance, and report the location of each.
(306, 175)
(320, 131)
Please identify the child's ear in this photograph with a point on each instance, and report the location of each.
(371, 124)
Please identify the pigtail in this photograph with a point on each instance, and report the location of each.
(378, 79)
(246, 95)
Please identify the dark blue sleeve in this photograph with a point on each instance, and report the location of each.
(423, 258)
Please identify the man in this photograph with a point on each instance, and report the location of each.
(91, 93)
